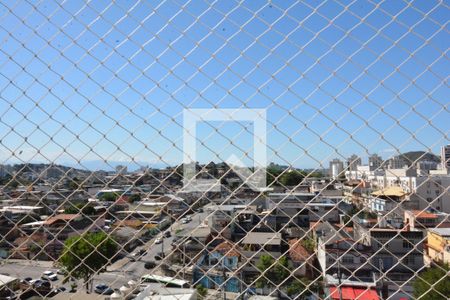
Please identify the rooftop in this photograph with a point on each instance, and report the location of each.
(62, 217)
(297, 252)
(79, 295)
(262, 238)
(351, 293)
(393, 191)
(228, 249)
(441, 231)
(4, 279)
(424, 215)
(200, 232)
(229, 207)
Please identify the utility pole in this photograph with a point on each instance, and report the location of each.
(162, 245)
(383, 288)
(224, 280)
(339, 277)
(184, 259)
(240, 283)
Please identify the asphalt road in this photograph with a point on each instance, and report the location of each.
(126, 271)
(136, 269)
(20, 270)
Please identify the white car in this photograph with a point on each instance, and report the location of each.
(49, 275)
(158, 241)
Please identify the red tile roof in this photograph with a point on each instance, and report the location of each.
(424, 215)
(227, 248)
(128, 223)
(353, 293)
(297, 252)
(61, 217)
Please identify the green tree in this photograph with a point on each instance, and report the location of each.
(110, 197)
(74, 184)
(86, 255)
(202, 291)
(309, 244)
(12, 183)
(433, 284)
(134, 198)
(86, 210)
(28, 218)
(264, 265)
(281, 270)
(292, 178)
(272, 172)
(298, 286)
(315, 174)
(5, 179)
(272, 272)
(153, 232)
(71, 210)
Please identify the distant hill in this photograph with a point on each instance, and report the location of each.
(415, 156)
(41, 167)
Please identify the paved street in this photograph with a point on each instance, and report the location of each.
(21, 270)
(136, 269)
(125, 269)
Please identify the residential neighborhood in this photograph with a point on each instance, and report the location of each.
(320, 237)
(224, 150)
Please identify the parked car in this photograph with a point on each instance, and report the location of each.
(49, 275)
(137, 255)
(61, 272)
(158, 240)
(57, 291)
(167, 234)
(149, 265)
(103, 289)
(41, 284)
(159, 256)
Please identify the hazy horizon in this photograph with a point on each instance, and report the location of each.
(76, 88)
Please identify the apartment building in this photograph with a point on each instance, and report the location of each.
(438, 245)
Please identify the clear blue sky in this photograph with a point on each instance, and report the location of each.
(84, 82)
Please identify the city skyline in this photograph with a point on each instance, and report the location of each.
(97, 91)
(135, 166)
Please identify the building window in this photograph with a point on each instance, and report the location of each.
(407, 245)
(409, 260)
(386, 262)
(347, 259)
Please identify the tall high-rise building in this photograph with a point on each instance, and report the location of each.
(445, 157)
(375, 162)
(353, 162)
(397, 162)
(336, 168)
(3, 171)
